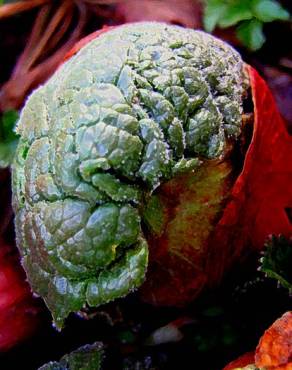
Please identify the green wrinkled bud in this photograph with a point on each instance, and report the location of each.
(131, 110)
(88, 357)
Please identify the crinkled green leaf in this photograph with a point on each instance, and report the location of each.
(136, 106)
(269, 10)
(277, 260)
(8, 138)
(88, 357)
(250, 33)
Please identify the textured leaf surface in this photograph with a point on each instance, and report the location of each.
(132, 109)
(88, 357)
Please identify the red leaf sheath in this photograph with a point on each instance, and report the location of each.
(262, 195)
(269, 164)
(18, 309)
(258, 206)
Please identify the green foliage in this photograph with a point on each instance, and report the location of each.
(251, 34)
(277, 260)
(247, 15)
(88, 357)
(8, 138)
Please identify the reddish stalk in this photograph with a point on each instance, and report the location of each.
(42, 53)
(8, 10)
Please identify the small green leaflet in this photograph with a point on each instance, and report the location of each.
(247, 15)
(8, 138)
(269, 11)
(277, 259)
(251, 34)
(88, 357)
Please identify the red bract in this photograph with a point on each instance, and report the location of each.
(258, 204)
(18, 310)
(261, 197)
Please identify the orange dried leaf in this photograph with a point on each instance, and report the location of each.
(274, 350)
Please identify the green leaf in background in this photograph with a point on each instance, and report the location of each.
(225, 13)
(269, 10)
(8, 138)
(214, 10)
(248, 15)
(88, 357)
(250, 33)
(8, 121)
(236, 12)
(277, 260)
